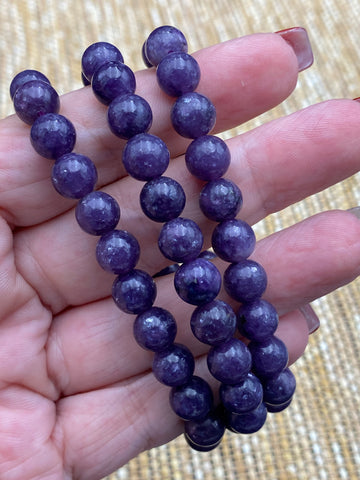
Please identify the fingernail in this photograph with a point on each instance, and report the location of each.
(355, 211)
(311, 318)
(298, 39)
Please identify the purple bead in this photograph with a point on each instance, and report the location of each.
(26, 76)
(97, 213)
(197, 282)
(134, 292)
(193, 115)
(155, 329)
(205, 433)
(192, 401)
(129, 115)
(201, 448)
(269, 358)
(233, 240)
(277, 408)
(207, 157)
(162, 199)
(52, 135)
(145, 157)
(257, 320)
(229, 362)
(280, 389)
(242, 397)
(96, 55)
(213, 323)
(250, 422)
(117, 252)
(178, 73)
(162, 41)
(180, 240)
(35, 98)
(174, 366)
(73, 175)
(245, 281)
(220, 200)
(111, 80)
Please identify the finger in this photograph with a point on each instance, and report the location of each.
(255, 73)
(93, 346)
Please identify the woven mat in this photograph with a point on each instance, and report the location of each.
(318, 437)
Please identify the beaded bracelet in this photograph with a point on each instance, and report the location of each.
(253, 376)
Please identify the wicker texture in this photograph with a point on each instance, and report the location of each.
(318, 437)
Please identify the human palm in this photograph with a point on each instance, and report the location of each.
(77, 397)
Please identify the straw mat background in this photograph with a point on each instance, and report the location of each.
(318, 437)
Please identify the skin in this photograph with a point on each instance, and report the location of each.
(77, 396)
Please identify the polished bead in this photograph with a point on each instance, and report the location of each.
(192, 401)
(178, 73)
(197, 282)
(162, 199)
(26, 76)
(207, 157)
(155, 329)
(207, 433)
(134, 292)
(245, 281)
(193, 115)
(242, 397)
(220, 200)
(269, 357)
(201, 448)
(213, 323)
(257, 320)
(111, 80)
(145, 157)
(52, 135)
(97, 213)
(162, 41)
(180, 240)
(249, 422)
(117, 252)
(280, 389)
(97, 55)
(229, 362)
(233, 240)
(129, 115)
(35, 98)
(73, 175)
(174, 366)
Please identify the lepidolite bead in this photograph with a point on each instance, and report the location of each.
(269, 358)
(52, 135)
(162, 199)
(249, 422)
(25, 76)
(233, 240)
(220, 200)
(162, 41)
(145, 156)
(206, 434)
(178, 73)
(35, 98)
(134, 292)
(280, 389)
(229, 362)
(97, 213)
(180, 240)
(245, 281)
(129, 115)
(117, 252)
(242, 397)
(207, 157)
(257, 320)
(155, 329)
(213, 323)
(192, 401)
(193, 115)
(97, 55)
(174, 366)
(111, 80)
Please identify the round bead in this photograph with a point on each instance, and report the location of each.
(97, 213)
(205, 433)
(213, 323)
(129, 115)
(180, 240)
(162, 41)
(97, 55)
(117, 252)
(242, 397)
(193, 115)
(233, 240)
(249, 422)
(111, 80)
(229, 362)
(257, 320)
(280, 389)
(155, 329)
(192, 401)
(26, 76)
(174, 366)
(269, 358)
(35, 98)
(207, 157)
(134, 292)
(73, 175)
(220, 200)
(162, 199)
(145, 157)
(197, 282)
(52, 135)
(178, 73)
(245, 281)
(201, 448)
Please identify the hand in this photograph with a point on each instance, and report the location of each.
(77, 397)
